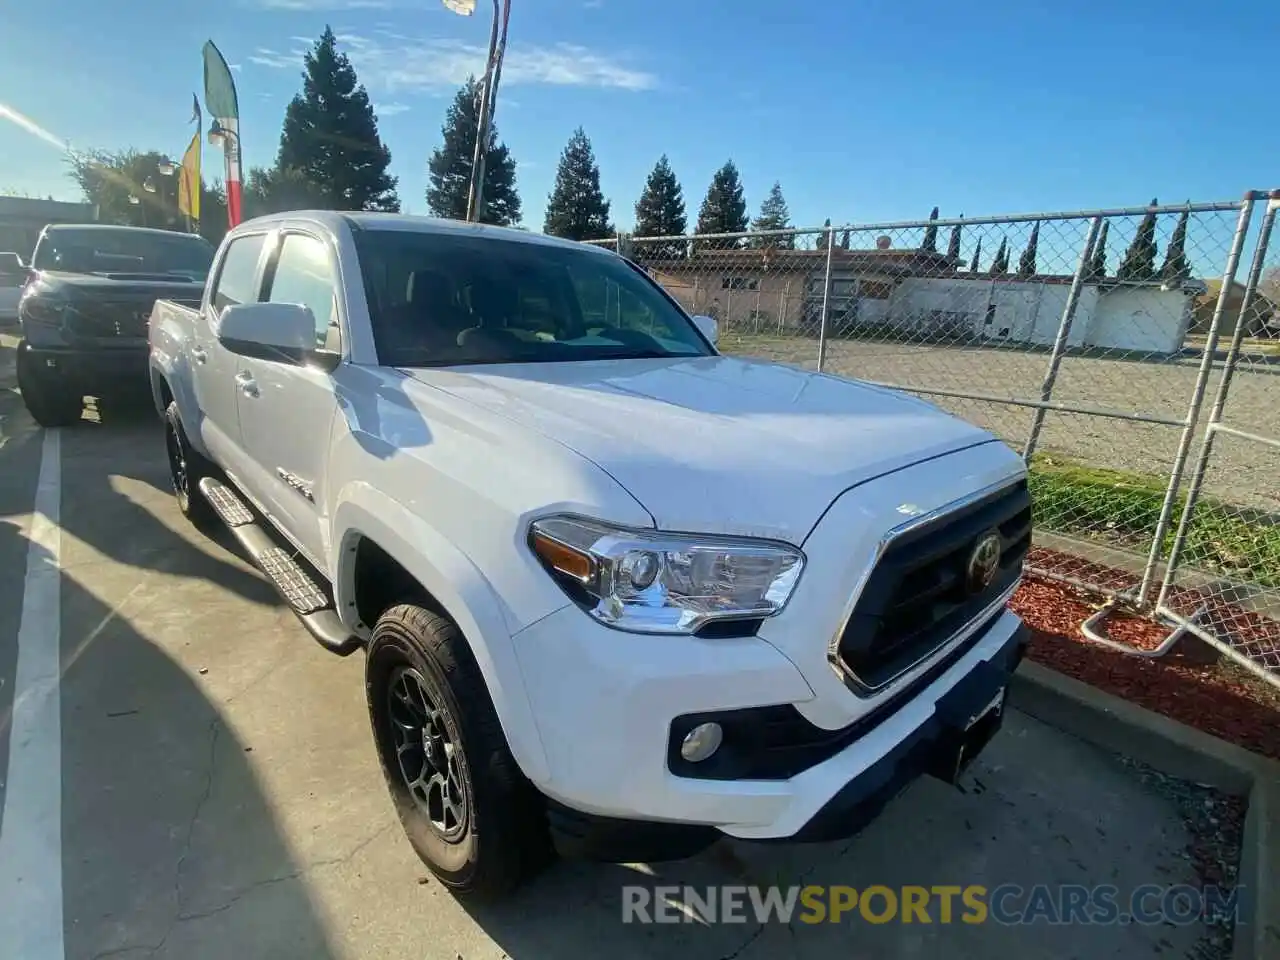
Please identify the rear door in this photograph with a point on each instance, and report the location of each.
(213, 366)
(287, 409)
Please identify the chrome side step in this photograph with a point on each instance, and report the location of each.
(310, 603)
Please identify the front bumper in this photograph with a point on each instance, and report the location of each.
(92, 371)
(605, 702)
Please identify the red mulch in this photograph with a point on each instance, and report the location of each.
(1221, 699)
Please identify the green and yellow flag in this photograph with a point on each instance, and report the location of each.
(189, 172)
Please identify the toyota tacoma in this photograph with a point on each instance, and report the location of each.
(84, 311)
(619, 595)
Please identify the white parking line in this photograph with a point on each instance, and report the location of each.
(31, 831)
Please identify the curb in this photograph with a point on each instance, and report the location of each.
(1180, 751)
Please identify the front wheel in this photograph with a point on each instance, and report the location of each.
(470, 814)
(48, 397)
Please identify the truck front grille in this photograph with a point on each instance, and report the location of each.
(928, 584)
(111, 319)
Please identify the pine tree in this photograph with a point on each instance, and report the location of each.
(953, 245)
(660, 209)
(331, 137)
(1139, 261)
(660, 213)
(977, 255)
(1098, 261)
(449, 169)
(1001, 263)
(1176, 266)
(930, 242)
(1027, 262)
(845, 239)
(576, 209)
(774, 215)
(724, 209)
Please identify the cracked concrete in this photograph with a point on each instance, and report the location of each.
(222, 799)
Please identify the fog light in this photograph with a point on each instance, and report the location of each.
(701, 742)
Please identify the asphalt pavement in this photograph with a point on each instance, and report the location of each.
(187, 775)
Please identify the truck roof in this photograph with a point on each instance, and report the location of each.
(116, 228)
(360, 220)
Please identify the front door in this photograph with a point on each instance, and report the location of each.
(287, 409)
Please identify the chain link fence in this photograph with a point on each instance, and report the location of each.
(1088, 341)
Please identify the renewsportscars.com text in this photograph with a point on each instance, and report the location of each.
(1009, 904)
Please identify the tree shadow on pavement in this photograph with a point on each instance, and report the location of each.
(158, 795)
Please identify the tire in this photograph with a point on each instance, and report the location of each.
(48, 397)
(484, 846)
(186, 468)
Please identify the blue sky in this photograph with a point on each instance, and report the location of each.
(864, 109)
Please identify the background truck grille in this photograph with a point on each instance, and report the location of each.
(918, 596)
(112, 319)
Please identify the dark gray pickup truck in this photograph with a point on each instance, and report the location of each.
(85, 308)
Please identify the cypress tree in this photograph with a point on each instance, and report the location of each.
(449, 169)
(977, 255)
(930, 242)
(1027, 262)
(577, 209)
(1176, 266)
(1001, 262)
(1098, 262)
(1139, 261)
(825, 238)
(953, 245)
(330, 135)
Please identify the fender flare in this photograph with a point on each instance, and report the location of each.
(362, 512)
(176, 375)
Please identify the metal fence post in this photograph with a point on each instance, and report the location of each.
(1197, 397)
(1060, 341)
(826, 300)
(1220, 399)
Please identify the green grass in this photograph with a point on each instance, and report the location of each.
(1123, 508)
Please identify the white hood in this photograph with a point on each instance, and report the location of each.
(717, 444)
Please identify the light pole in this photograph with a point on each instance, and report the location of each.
(488, 94)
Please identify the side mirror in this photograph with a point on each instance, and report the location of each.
(268, 331)
(708, 327)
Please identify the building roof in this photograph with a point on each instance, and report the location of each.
(904, 261)
(30, 208)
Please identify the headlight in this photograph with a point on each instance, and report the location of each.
(44, 309)
(646, 581)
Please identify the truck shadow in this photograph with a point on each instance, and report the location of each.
(155, 788)
(114, 471)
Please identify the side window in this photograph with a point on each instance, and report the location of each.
(303, 275)
(238, 274)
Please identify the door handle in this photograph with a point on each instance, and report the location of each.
(198, 354)
(248, 386)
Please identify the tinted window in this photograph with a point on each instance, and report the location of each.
(237, 277)
(304, 275)
(441, 298)
(106, 250)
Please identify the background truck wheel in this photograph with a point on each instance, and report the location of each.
(49, 399)
(186, 468)
(468, 811)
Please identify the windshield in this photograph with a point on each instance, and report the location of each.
(438, 299)
(124, 251)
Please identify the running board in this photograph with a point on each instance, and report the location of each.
(309, 603)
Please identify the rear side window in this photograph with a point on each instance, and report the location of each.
(237, 280)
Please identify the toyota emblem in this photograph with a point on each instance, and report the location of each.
(984, 561)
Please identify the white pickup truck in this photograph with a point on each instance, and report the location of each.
(619, 594)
